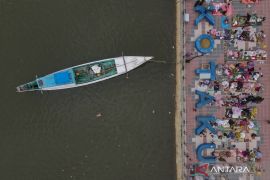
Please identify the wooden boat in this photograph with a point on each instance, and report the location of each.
(85, 74)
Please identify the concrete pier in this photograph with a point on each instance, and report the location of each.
(179, 92)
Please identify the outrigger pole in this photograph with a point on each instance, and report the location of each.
(37, 83)
(125, 64)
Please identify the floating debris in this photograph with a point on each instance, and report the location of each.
(98, 115)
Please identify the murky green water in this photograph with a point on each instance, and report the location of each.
(57, 136)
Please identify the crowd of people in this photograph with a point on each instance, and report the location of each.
(237, 88)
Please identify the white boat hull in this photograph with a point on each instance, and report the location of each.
(123, 65)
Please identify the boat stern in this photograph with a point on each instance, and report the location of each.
(31, 86)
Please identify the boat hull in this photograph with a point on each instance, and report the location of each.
(85, 74)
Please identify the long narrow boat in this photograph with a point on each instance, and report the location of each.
(85, 74)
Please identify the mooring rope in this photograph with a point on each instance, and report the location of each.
(164, 62)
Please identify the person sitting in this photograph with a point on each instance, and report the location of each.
(199, 3)
(253, 135)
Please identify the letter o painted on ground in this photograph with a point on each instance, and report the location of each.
(204, 44)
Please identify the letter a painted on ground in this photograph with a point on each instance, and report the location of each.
(204, 124)
(204, 99)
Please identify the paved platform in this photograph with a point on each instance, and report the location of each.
(191, 33)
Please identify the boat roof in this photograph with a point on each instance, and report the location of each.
(94, 71)
(56, 79)
(62, 78)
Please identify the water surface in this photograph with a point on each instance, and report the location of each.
(56, 135)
